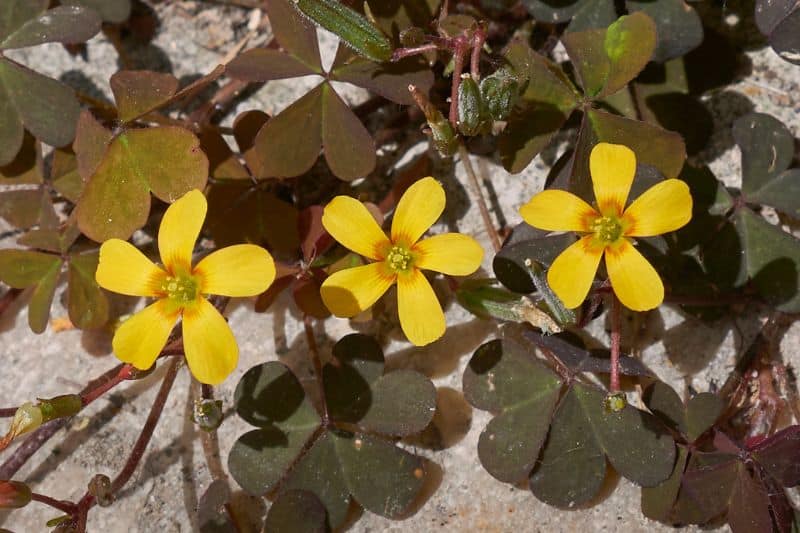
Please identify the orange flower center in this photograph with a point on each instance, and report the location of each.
(181, 288)
(607, 229)
(399, 259)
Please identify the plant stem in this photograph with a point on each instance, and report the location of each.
(616, 326)
(88, 500)
(459, 51)
(104, 385)
(478, 38)
(210, 442)
(473, 178)
(63, 506)
(315, 360)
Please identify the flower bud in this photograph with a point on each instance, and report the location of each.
(100, 488)
(471, 111)
(207, 414)
(499, 92)
(14, 495)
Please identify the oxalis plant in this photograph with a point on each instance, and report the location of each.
(156, 210)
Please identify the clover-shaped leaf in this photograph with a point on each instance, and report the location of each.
(743, 483)
(526, 243)
(138, 92)
(166, 161)
(346, 453)
(767, 256)
(87, 304)
(501, 377)
(289, 144)
(43, 106)
(297, 510)
(570, 467)
(780, 20)
(679, 28)
(605, 60)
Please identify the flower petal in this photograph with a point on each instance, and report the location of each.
(179, 230)
(141, 338)
(208, 343)
(612, 167)
(556, 210)
(663, 207)
(126, 270)
(421, 315)
(571, 274)
(419, 207)
(450, 253)
(634, 280)
(240, 270)
(350, 291)
(349, 222)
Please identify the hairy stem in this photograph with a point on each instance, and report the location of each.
(317, 362)
(63, 506)
(476, 187)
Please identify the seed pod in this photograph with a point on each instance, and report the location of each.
(499, 92)
(14, 495)
(207, 414)
(443, 136)
(348, 25)
(471, 111)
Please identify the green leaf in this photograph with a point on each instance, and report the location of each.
(141, 91)
(64, 173)
(653, 146)
(767, 149)
(572, 467)
(47, 108)
(771, 258)
(658, 501)
(15, 13)
(165, 160)
(263, 64)
(678, 26)
(664, 402)
(22, 269)
(348, 25)
(270, 396)
(702, 411)
(87, 303)
(115, 11)
(62, 24)
(289, 143)
(403, 403)
(381, 477)
(295, 33)
(390, 80)
(593, 14)
(297, 510)
(319, 471)
(91, 141)
(783, 38)
(501, 377)
(592, 65)
(348, 146)
(12, 131)
(629, 44)
(21, 208)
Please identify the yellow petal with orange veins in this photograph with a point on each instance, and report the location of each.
(612, 167)
(634, 280)
(179, 230)
(662, 208)
(126, 270)
(418, 209)
(349, 222)
(450, 253)
(240, 270)
(348, 292)
(141, 338)
(421, 315)
(208, 343)
(557, 210)
(571, 274)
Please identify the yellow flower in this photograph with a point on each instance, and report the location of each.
(664, 207)
(398, 258)
(209, 345)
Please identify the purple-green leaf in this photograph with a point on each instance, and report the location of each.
(264, 64)
(295, 33)
(348, 146)
(115, 11)
(116, 201)
(63, 24)
(138, 92)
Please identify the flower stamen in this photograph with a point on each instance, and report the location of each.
(607, 229)
(181, 289)
(399, 259)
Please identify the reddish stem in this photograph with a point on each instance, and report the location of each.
(312, 348)
(478, 38)
(88, 500)
(61, 505)
(124, 372)
(616, 325)
(459, 51)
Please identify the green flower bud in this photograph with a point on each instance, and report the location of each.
(499, 92)
(471, 110)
